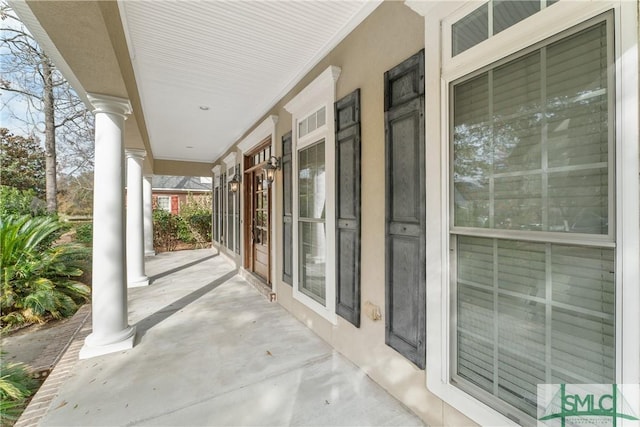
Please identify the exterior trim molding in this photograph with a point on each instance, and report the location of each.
(259, 134)
(230, 160)
(308, 97)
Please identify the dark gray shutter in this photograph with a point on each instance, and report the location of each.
(287, 221)
(347, 118)
(405, 209)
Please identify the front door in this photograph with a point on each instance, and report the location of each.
(258, 223)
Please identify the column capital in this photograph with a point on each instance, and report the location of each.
(109, 104)
(135, 153)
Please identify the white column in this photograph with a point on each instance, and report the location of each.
(147, 209)
(136, 276)
(111, 331)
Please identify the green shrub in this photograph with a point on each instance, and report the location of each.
(38, 280)
(192, 225)
(16, 385)
(184, 233)
(84, 233)
(200, 223)
(165, 230)
(196, 213)
(20, 202)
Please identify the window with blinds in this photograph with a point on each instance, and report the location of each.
(311, 222)
(532, 151)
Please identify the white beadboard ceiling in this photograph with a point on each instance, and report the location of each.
(238, 58)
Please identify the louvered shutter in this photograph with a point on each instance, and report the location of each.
(405, 209)
(347, 117)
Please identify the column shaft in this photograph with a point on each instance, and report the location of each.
(111, 331)
(147, 207)
(135, 220)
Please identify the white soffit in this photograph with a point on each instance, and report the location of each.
(236, 58)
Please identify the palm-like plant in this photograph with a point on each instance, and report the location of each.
(16, 385)
(38, 278)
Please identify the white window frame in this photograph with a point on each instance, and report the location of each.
(320, 92)
(168, 208)
(441, 69)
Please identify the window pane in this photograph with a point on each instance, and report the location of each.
(311, 123)
(312, 260)
(517, 124)
(531, 140)
(578, 201)
(322, 119)
(164, 203)
(518, 202)
(472, 152)
(311, 182)
(470, 30)
(513, 297)
(509, 12)
(302, 128)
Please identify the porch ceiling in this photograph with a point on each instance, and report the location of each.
(238, 58)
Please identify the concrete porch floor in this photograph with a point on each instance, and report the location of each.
(212, 351)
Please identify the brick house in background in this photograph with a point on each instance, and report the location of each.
(170, 192)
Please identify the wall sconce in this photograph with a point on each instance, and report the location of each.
(273, 164)
(234, 184)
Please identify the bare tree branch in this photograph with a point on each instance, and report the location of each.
(35, 93)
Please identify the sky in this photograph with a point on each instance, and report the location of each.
(12, 104)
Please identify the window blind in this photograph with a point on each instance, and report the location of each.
(311, 227)
(531, 153)
(531, 313)
(531, 141)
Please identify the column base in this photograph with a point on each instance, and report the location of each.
(138, 283)
(93, 347)
(150, 253)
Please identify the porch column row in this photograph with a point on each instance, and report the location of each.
(118, 250)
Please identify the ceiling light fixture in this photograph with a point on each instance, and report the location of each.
(204, 107)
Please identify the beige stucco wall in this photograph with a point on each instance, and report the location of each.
(391, 34)
(181, 168)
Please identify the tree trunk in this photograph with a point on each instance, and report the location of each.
(49, 137)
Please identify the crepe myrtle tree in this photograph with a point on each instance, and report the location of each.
(38, 99)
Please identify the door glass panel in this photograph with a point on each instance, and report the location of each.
(261, 211)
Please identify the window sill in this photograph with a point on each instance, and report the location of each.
(315, 306)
